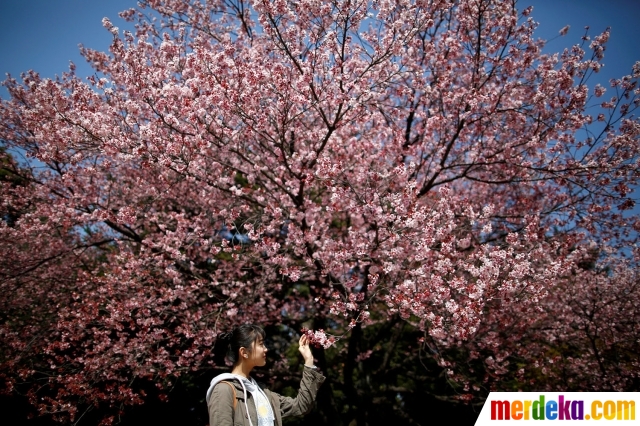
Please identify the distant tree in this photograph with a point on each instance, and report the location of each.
(440, 202)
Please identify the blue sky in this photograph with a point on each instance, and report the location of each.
(43, 35)
(623, 16)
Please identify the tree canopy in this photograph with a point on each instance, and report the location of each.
(445, 207)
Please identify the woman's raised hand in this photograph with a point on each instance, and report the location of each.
(305, 350)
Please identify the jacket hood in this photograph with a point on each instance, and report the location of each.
(220, 378)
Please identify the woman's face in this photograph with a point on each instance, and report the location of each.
(258, 354)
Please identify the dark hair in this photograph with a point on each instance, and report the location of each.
(227, 345)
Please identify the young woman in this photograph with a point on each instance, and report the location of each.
(235, 398)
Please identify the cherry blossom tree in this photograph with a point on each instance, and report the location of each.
(351, 167)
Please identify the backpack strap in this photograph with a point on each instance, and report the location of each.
(235, 398)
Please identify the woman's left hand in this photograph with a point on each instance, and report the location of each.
(305, 350)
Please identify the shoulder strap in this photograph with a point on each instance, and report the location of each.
(233, 388)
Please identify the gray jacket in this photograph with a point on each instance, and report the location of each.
(221, 404)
